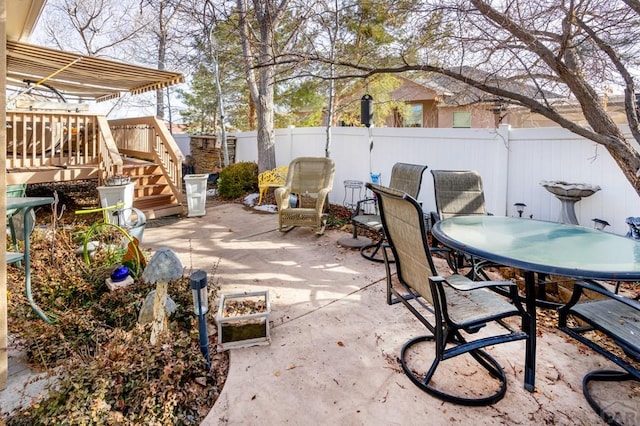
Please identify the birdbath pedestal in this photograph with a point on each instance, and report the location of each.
(569, 194)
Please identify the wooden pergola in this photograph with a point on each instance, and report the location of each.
(81, 76)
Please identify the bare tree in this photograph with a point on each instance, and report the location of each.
(523, 51)
(208, 45)
(121, 30)
(162, 20)
(100, 27)
(261, 87)
(264, 33)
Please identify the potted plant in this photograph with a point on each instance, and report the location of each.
(243, 319)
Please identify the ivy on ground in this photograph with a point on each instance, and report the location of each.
(108, 372)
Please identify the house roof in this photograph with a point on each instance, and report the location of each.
(81, 76)
(453, 92)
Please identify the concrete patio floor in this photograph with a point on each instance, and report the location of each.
(335, 343)
(333, 357)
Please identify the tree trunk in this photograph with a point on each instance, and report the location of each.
(266, 133)
(628, 159)
(162, 52)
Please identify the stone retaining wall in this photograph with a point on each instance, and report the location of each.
(208, 154)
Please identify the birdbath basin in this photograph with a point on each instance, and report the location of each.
(569, 194)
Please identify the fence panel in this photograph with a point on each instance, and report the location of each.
(512, 162)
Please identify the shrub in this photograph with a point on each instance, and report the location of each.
(238, 179)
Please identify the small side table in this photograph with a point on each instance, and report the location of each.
(351, 187)
(26, 204)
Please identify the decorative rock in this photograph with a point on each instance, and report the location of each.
(91, 247)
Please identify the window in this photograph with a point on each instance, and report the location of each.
(414, 119)
(462, 119)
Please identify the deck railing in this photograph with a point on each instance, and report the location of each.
(48, 146)
(110, 159)
(45, 146)
(36, 139)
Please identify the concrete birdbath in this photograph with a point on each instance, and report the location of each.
(569, 194)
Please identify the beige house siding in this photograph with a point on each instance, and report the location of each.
(435, 112)
(481, 116)
(438, 110)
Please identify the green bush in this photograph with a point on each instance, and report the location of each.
(237, 180)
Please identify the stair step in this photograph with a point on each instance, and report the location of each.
(136, 169)
(152, 193)
(163, 211)
(140, 183)
(153, 189)
(153, 201)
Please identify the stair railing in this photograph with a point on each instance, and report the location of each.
(148, 138)
(111, 163)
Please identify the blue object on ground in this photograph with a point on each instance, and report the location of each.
(120, 274)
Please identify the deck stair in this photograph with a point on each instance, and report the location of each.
(152, 193)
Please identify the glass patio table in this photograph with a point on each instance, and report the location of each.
(25, 205)
(545, 248)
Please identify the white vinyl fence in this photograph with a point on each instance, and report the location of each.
(512, 162)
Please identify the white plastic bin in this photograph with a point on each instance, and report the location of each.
(110, 195)
(196, 188)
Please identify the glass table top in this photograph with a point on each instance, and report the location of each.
(21, 202)
(545, 247)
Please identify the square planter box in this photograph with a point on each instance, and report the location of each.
(243, 319)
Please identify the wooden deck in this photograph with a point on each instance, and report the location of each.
(55, 146)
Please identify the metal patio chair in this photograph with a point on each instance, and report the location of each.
(452, 308)
(618, 318)
(303, 198)
(405, 178)
(457, 192)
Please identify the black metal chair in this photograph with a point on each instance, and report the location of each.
(404, 177)
(452, 309)
(616, 317)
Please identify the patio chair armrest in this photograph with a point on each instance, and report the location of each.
(435, 217)
(282, 197)
(359, 204)
(463, 283)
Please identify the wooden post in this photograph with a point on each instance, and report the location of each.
(4, 338)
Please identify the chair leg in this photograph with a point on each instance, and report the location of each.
(482, 357)
(320, 229)
(370, 251)
(14, 238)
(604, 376)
